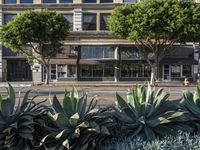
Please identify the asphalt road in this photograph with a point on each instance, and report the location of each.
(105, 95)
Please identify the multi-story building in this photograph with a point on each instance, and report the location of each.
(90, 53)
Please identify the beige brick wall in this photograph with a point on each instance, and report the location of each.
(77, 1)
(37, 1)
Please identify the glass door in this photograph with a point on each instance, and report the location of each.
(166, 72)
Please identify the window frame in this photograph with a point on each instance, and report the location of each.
(95, 24)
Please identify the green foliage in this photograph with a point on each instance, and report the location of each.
(156, 19)
(182, 141)
(77, 126)
(35, 27)
(148, 112)
(21, 125)
(192, 105)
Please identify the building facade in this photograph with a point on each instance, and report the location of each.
(90, 53)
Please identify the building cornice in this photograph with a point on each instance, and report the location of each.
(56, 6)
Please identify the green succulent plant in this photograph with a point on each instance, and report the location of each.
(19, 121)
(191, 102)
(79, 124)
(149, 113)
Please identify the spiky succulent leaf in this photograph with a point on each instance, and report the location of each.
(146, 111)
(78, 125)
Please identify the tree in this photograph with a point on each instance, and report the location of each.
(37, 34)
(155, 26)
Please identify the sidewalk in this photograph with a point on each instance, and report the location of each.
(94, 84)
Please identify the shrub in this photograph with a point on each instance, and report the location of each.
(148, 112)
(21, 127)
(191, 103)
(77, 126)
(182, 141)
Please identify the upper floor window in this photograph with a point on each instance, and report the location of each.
(129, 53)
(49, 1)
(8, 17)
(89, 1)
(66, 1)
(130, 1)
(106, 1)
(69, 18)
(97, 52)
(89, 21)
(10, 1)
(103, 21)
(26, 1)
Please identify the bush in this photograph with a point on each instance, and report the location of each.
(183, 141)
(149, 113)
(21, 123)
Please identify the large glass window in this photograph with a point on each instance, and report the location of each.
(66, 1)
(175, 71)
(130, 1)
(10, 1)
(93, 52)
(69, 18)
(187, 70)
(86, 71)
(103, 21)
(129, 53)
(97, 71)
(71, 71)
(26, 1)
(106, 1)
(8, 17)
(89, 1)
(49, 1)
(135, 70)
(89, 21)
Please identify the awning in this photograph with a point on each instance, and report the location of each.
(93, 61)
(180, 61)
(63, 61)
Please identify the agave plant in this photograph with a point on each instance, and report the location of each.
(191, 102)
(18, 122)
(78, 126)
(148, 112)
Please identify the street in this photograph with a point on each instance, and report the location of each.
(104, 95)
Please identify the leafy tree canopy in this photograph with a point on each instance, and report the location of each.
(155, 26)
(169, 20)
(42, 31)
(37, 34)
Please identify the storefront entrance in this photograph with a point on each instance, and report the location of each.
(173, 72)
(61, 72)
(18, 70)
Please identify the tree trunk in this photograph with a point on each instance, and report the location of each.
(153, 74)
(47, 73)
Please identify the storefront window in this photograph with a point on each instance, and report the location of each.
(175, 71)
(62, 71)
(71, 71)
(86, 71)
(135, 70)
(10, 1)
(187, 70)
(97, 71)
(91, 52)
(26, 1)
(53, 72)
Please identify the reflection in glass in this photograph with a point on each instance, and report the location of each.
(89, 21)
